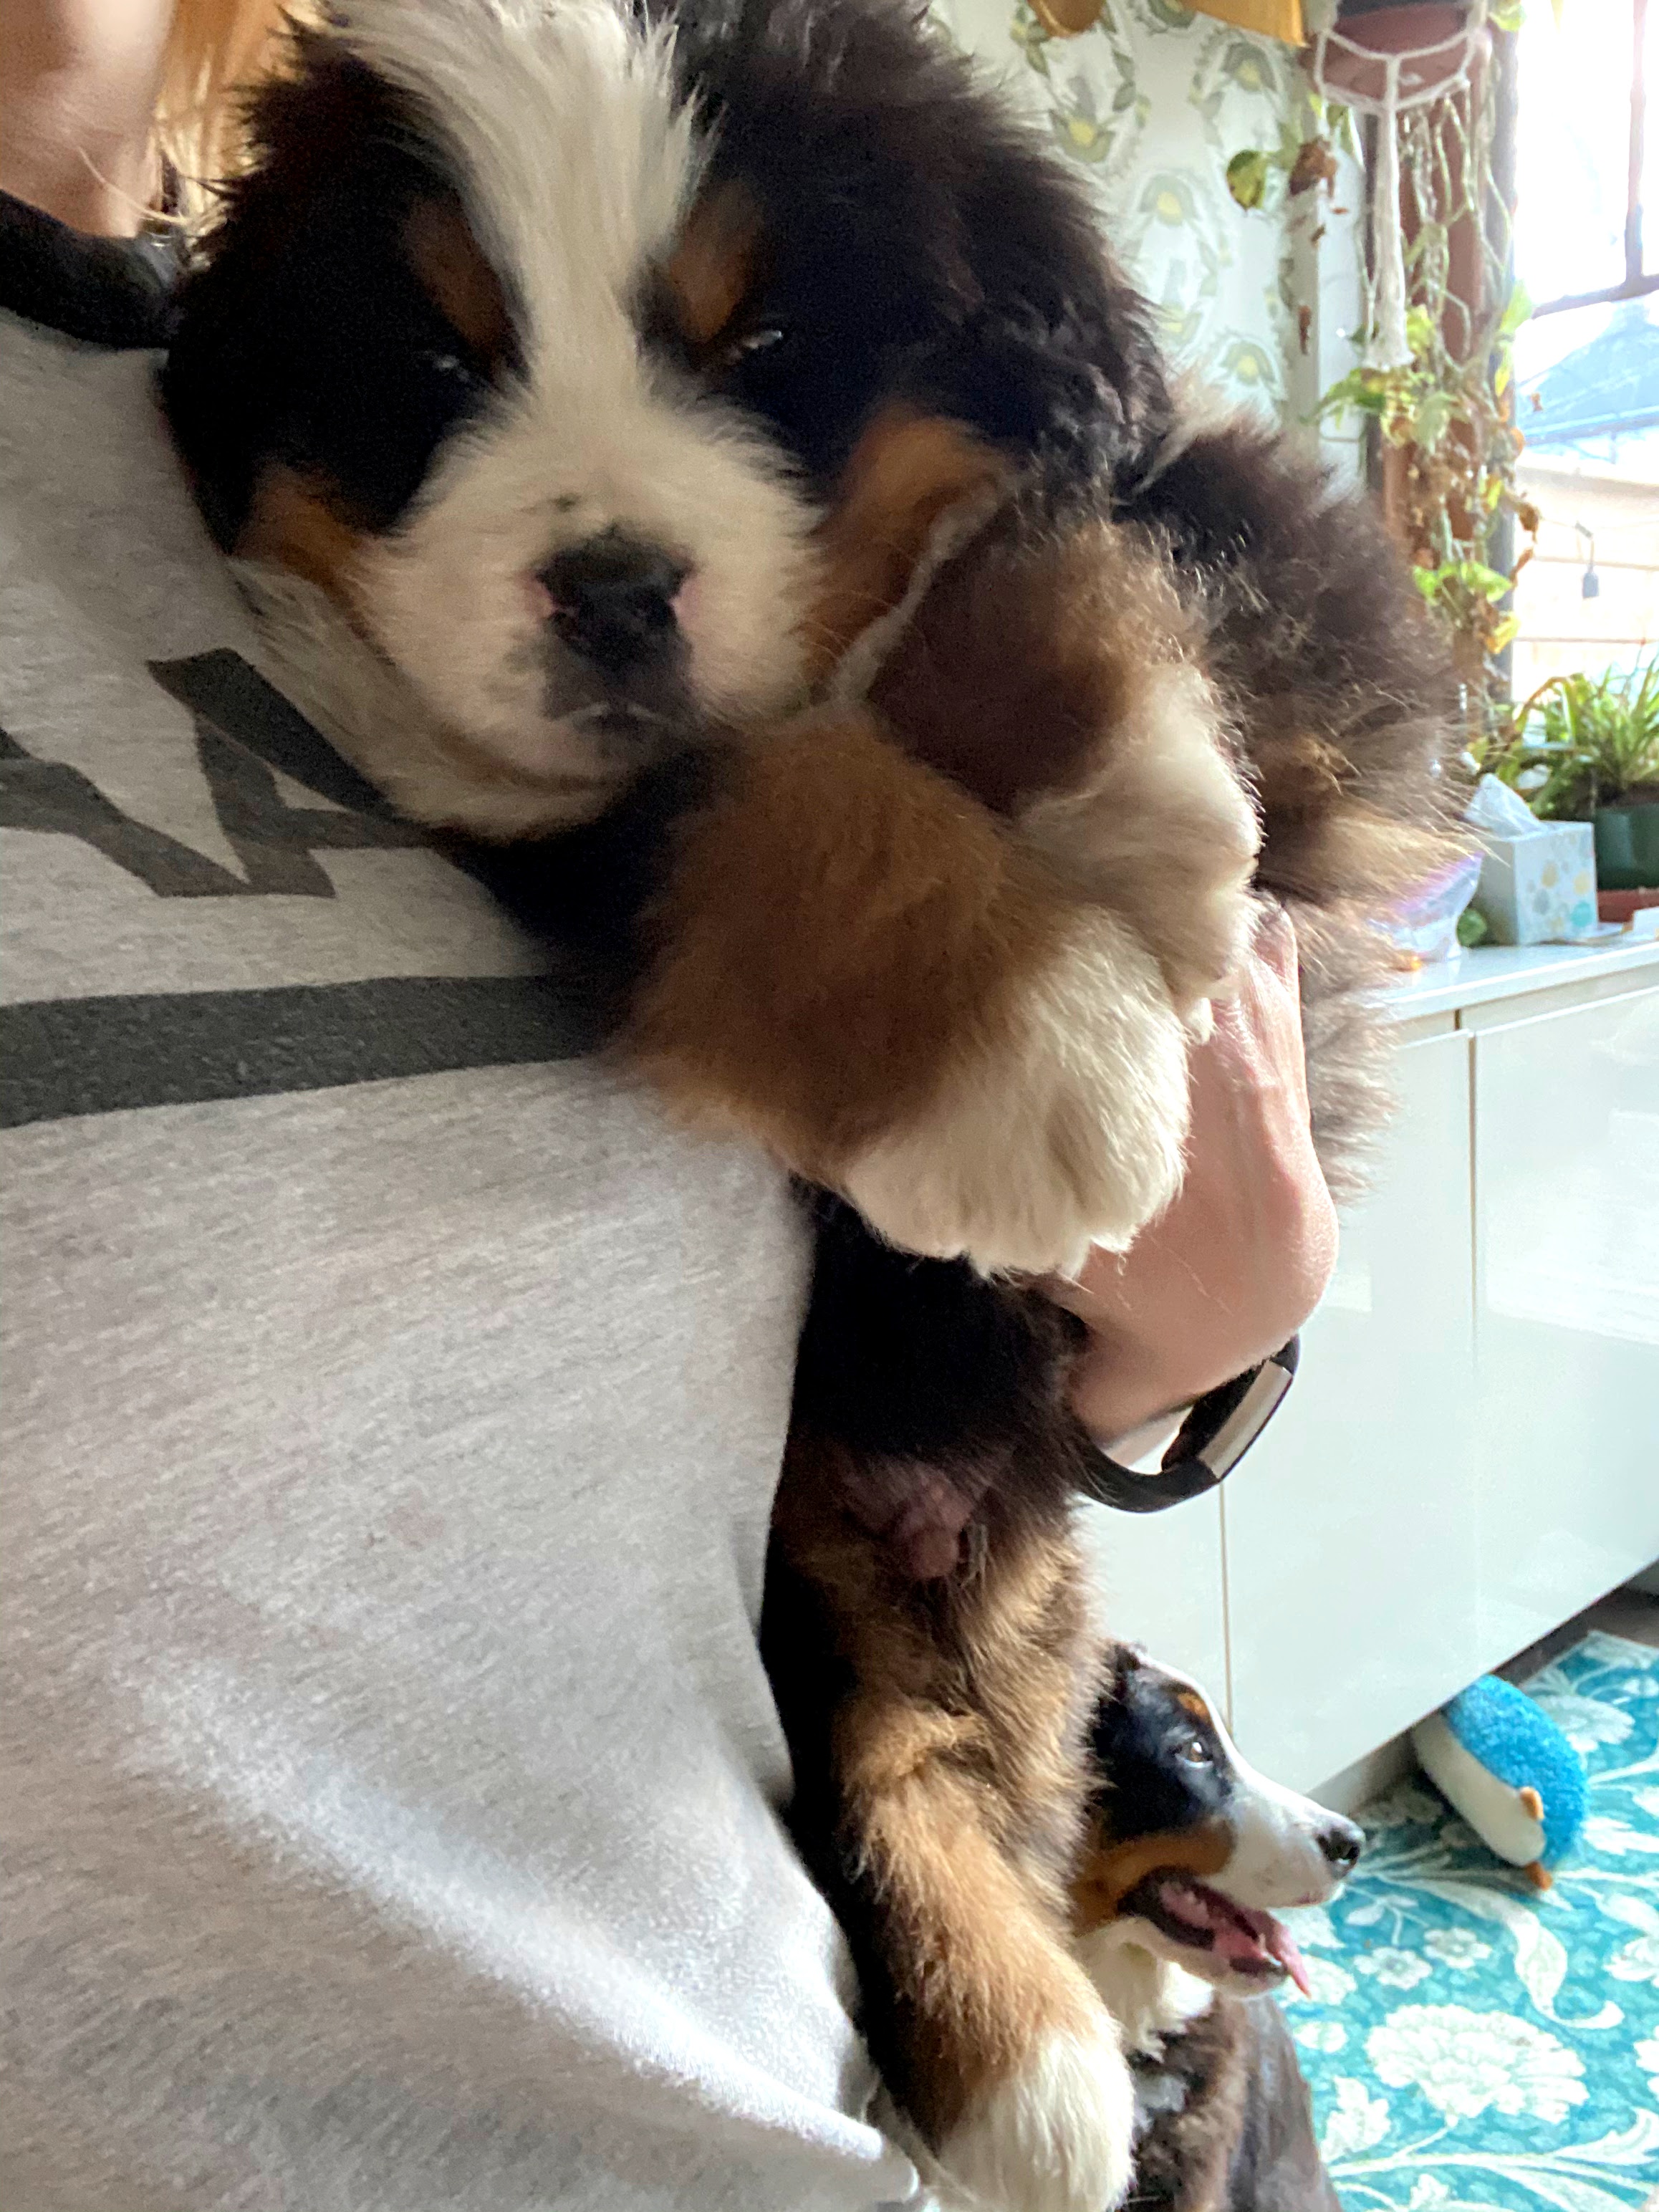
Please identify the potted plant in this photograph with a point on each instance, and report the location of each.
(1586, 748)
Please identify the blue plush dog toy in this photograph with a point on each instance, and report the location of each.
(1509, 1771)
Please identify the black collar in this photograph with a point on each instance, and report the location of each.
(107, 291)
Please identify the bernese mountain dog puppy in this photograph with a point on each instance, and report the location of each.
(1189, 1852)
(726, 427)
(546, 372)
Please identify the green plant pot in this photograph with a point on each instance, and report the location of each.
(1627, 847)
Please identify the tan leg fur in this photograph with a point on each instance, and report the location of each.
(960, 1788)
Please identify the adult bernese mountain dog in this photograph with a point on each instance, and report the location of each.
(725, 426)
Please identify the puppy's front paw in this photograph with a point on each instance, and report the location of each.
(1058, 1122)
(1055, 2136)
(1164, 832)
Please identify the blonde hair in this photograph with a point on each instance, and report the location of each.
(215, 50)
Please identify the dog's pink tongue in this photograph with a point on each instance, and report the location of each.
(1238, 1935)
(1282, 1946)
(1244, 1937)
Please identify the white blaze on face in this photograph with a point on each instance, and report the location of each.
(1276, 1859)
(575, 166)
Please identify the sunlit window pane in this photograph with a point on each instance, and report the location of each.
(1573, 146)
(1587, 377)
(1650, 145)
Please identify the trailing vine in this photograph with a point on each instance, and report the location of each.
(1454, 422)
(1445, 416)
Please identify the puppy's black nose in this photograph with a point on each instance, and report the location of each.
(1342, 1842)
(613, 601)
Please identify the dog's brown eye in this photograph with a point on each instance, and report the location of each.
(1194, 1752)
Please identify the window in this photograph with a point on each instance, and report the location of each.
(1587, 364)
(1586, 162)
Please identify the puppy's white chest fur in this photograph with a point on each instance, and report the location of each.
(1149, 1998)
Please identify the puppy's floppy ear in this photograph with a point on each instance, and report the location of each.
(1120, 1663)
(228, 389)
(1088, 398)
(1058, 357)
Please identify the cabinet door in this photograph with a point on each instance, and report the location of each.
(1350, 1529)
(1567, 1181)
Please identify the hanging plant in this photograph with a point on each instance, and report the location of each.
(1442, 309)
(1304, 157)
(1454, 422)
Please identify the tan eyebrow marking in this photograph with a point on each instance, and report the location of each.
(457, 277)
(711, 270)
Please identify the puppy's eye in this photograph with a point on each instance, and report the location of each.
(1193, 1751)
(452, 368)
(747, 343)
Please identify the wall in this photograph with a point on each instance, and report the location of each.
(1561, 630)
(1150, 103)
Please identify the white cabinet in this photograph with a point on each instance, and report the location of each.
(1566, 1183)
(1471, 1451)
(1351, 1529)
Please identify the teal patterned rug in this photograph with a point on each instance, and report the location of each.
(1473, 2045)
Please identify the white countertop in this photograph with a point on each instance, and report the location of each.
(1505, 971)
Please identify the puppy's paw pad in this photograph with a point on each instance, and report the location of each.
(1059, 1127)
(1056, 2137)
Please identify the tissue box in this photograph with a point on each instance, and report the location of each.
(1540, 889)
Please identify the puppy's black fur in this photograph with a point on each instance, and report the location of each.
(916, 251)
(1339, 688)
(1230, 2125)
(314, 346)
(1160, 1755)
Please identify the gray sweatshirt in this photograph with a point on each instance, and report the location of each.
(392, 1407)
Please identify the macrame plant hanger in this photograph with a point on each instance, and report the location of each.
(1417, 77)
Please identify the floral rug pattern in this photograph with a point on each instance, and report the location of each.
(1473, 2045)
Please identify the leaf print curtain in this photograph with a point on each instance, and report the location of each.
(1151, 100)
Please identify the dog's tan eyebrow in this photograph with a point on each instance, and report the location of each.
(713, 269)
(1190, 1702)
(1108, 1872)
(452, 270)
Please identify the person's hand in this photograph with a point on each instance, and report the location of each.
(1233, 1268)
